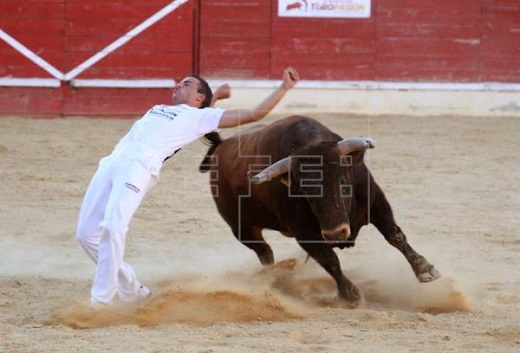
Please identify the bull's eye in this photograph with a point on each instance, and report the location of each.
(345, 187)
(346, 190)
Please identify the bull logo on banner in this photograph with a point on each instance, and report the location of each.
(296, 5)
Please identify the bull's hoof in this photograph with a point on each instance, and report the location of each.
(345, 244)
(347, 303)
(428, 276)
(350, 243)
(350, 298)
(353, 305)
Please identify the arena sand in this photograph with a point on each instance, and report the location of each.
(454, 186)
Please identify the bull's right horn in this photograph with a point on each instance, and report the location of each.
(355, 144)
(278, 168)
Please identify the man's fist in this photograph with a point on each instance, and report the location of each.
(290, 77)
(222, 92)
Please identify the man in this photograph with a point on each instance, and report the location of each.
(125, 176)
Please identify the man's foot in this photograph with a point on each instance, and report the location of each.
(94, 304)
(143, 292)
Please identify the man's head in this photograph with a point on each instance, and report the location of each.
(193, 91)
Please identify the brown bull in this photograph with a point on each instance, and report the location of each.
(298, 177)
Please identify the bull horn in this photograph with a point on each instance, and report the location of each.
(278, 168)
(355, 144)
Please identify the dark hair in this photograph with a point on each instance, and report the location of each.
(205, 90)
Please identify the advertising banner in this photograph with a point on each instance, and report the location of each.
(324, 8)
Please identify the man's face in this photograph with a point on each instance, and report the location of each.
(185, 92)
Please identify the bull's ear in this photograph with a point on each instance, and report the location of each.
(353, 158)
(358, 157)
(285, 180)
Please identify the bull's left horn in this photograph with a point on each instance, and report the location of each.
(278, 168)
(355, 144)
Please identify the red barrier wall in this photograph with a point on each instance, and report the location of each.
(403, 40)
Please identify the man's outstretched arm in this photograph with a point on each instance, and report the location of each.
(235, 117)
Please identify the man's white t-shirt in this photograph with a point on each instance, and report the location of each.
(163, 130)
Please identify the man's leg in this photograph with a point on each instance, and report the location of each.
(89, 231)
(113, 275)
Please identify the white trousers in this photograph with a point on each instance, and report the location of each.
(114, 194)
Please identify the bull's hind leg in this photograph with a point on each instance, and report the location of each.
(252, 238)
(328, 259)
(382, 218)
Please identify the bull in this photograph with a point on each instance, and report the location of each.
(298, 177)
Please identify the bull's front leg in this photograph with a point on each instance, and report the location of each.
(328, 259)
(253, 239)
(383, 219)
(424, 271)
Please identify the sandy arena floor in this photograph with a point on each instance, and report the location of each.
(453, 182)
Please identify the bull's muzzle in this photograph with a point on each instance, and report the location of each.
(338, 234)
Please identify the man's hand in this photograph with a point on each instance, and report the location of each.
(290, 77)
(222, 92)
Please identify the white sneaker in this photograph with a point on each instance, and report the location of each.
(94, 304)
(138, 294)
(143, 292)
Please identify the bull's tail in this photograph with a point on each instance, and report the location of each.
(213, 140)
